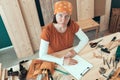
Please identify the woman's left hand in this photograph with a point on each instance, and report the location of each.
(70, 54)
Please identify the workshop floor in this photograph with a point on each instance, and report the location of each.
(8, 57)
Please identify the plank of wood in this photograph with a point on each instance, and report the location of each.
(3, 74)
(15, 26)
(99, 7)
(32, 23)
(113, 23)
(85, 9)
(104, 20)
(0, 70)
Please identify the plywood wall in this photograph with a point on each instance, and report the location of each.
(85, 9)
(15, 26)
(30, 16)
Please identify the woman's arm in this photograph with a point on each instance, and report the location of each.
(43, 55)
(83, 41)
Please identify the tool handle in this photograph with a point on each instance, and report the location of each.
(99, 41)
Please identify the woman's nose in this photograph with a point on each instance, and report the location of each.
(63, 18)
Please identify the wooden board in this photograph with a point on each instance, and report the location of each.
(115, 20)
(85, 9)
(99, 7)
(3, 74)
(32, 23)
(0, 70)
(15, 26)
(104, 20)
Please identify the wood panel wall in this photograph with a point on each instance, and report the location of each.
(30, 16)
(85, 9)
(15, 26)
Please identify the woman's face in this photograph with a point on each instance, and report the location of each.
(62, 18)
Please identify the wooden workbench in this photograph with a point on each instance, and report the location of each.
(87, 54)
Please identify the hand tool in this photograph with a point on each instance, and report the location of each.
(107, 64)
(110, 60)
(103, 60)
(102, 71)
(111, 74)
(116, 63)
(94, 44)
(106, 49)
(49, 74)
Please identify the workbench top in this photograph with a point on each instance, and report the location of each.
(88, 54)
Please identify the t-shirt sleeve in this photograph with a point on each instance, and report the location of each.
(75, 27)
(45, 34)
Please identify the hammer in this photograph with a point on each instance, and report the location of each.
(106, 50)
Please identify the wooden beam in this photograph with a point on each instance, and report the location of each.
(3, 74)
(15, 26)
(104, 20)
(32, 22)
(85, 9)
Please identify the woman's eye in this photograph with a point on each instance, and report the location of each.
(60, 15)
(67, 16)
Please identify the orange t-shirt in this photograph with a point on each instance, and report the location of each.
(59, 41)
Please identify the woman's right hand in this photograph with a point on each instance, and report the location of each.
(69, 61)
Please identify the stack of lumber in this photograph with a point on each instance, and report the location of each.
(115, 20)
(22, 24)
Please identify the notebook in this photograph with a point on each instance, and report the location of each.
(79, 69)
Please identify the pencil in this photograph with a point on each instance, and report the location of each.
(66, 73)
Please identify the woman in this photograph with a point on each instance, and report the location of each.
(60, 34)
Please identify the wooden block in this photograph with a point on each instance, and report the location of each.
(32, 22)
(15, 26)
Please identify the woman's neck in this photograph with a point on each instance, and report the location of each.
(60, 28)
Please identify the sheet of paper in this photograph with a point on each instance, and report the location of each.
(79, 69)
